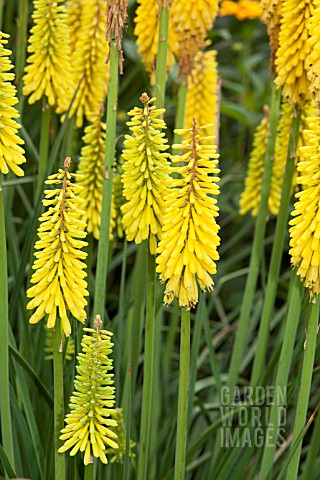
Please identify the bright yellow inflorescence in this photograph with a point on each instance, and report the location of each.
(89, 426)
(11, 154)
(203, 93)
(242, 10)
(305, 226)
(250, 197)
(293, 51)
(196, 16)
(271, 16)
(145, 174)
(59, 272)
(147, 32)
(188, 249)
(91, 170)
(49, 67)
(313, 60)
(89, 58)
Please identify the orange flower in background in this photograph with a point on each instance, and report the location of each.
(242, 10)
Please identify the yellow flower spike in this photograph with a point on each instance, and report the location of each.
(195, 16)
(90, 51)
(89, 427)
(271, 16)
(91, 170)
(203, 93)
(250, 197)
(188, 249)
(120, 430)
(11, 154)
(58, 279)
(49, 64)
(145, 174)
(305, 225)
(313, 60)
(293, 51)
(147, 33)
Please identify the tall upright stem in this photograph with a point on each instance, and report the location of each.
(5, 411)
(103, 248)
(305, 385)
(161, 68)
(59, 458)
(182, 98)
(183, 397)
(257, 248)
(281, 382)
(276, 256)
(21, 48)
(43, 148)
(147, 372)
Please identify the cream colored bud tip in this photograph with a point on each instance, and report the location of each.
(97, 322)
(67, 162)
(144, 98)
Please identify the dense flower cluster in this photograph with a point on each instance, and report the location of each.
(91, 170)
(188, 249)
(305, 226)
(203, 93)
(242, 10)
(11, 154)
(195, 16)
(313, 60)
(59, 272)
(293, 51)
(271, 16)
(49, 67)
(147, 32)
(89, 57)
(88, 423)
(145, 174)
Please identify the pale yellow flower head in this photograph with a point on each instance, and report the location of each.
(203, 93)
(90, 51)
(305, 226)
(48, 72)
(293, 51)
(313, 59)
(195, 16)
(147, 33)
(89, 428)
(187, 251)
(11, 154)
(91, 170)
(145, 174)
(59, 277)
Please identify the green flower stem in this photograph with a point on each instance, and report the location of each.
(59, 458)
(88, 471)
(281, 382)
(182, 425)
(161, 68)
(257, 248)
(21, 48)
(111, 119)
(147, 372)
(276, 256)
(5, 411)
(313, 451)
(305, 385)
(43, 148)
(181, 106)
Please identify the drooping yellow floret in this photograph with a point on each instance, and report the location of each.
(203, 93)
(242, 10)
(147, 33)
(305, 226)
(11, 154)
(293, 50)
(271, 16)
(59, 269)
(188, 249)
(145, 174)
(89, 60)
(313, 60)
(89, 426)
(91, 170)
(49, 66)
(250, 197)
